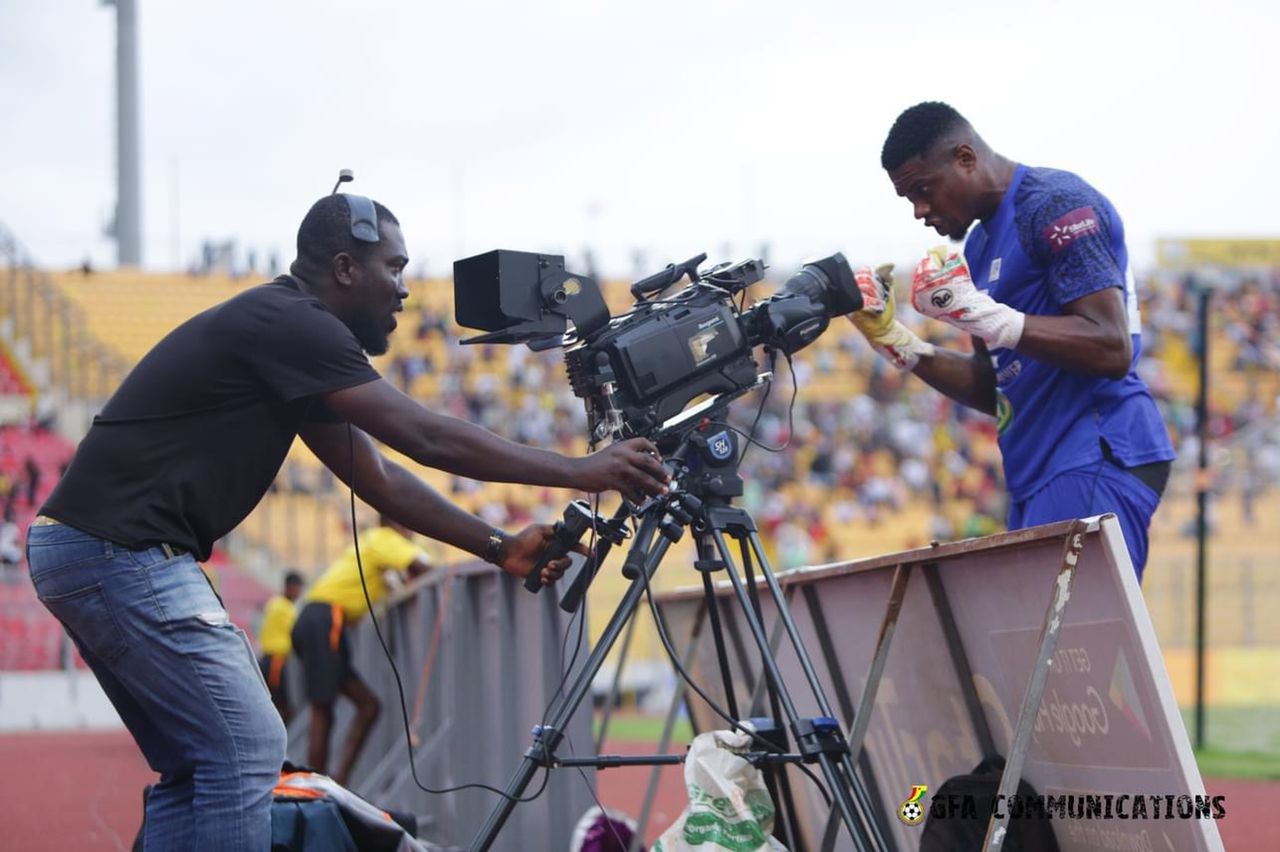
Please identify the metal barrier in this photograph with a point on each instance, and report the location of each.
(932, 675)
(479, 659)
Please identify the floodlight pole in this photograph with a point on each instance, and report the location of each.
(126, 226)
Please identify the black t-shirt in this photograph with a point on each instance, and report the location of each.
(194, 436)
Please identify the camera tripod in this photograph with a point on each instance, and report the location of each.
(704, 482)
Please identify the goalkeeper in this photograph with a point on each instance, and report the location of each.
(1044, 289)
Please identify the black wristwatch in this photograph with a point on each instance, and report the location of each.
(495, 547)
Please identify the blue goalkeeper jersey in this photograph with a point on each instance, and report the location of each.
(1055, 239)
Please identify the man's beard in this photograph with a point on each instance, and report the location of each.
(373, 337)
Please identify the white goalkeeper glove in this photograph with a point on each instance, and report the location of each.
(941, 288)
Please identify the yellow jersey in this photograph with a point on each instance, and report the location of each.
(277, 625)
(381, 549)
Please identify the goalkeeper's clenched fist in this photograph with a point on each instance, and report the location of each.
(941, 288)
(877, 323)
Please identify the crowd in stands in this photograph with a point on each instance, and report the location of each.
(859, 447)
(870, 441)
(31, 459)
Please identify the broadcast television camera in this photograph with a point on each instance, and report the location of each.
(642, 368)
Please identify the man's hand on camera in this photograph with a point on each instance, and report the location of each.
(522, 550)
(941, 288)
(877, 322)
(633, 468)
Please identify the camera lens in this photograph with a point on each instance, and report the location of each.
(829, 282)
(794, 316)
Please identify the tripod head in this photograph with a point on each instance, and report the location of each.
(701, 452)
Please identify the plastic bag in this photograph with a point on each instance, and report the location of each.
(729, 807)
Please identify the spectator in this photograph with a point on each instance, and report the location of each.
(335, 602)
(10, 550)
(275, 642)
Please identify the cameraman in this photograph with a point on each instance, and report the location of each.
(187, 447)
(1049, 300)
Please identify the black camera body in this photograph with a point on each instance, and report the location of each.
(639, 370)
(648, 366)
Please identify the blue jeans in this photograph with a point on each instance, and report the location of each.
(182, 677)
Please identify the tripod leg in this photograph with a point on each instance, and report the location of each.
(868, 809)
(838, 777)
(668, 727)
(722, 656)
(547, 738)
(788, 825)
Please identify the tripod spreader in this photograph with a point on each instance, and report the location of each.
(546, 740)
(758, 759)
(818, 736)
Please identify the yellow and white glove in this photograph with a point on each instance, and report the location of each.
(941, 288)
(876, 320)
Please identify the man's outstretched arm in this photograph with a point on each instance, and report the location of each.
(447, 443)
(399, 494)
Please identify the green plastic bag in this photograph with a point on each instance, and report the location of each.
(729, 807)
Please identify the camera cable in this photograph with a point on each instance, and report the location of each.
(764, 398)
(737, 725)
(395, 671)
(750, 435)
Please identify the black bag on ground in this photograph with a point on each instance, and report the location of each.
(313, 813)
(957, 833)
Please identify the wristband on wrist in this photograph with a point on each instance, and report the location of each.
(495, 548)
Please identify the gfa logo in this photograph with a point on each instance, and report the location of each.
(911, 811)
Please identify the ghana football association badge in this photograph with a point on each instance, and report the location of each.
(912, 810)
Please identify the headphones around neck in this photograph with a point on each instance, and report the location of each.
(364, 218)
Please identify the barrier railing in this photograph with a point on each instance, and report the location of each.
(479, 659)
(1033, 646)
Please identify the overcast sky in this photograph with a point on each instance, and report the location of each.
(666, 127)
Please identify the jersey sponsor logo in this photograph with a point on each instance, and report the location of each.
(994, 275)
(1009, 373)
(1070, 227)
(1004, 412)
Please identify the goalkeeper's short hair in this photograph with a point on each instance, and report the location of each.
(917, 130)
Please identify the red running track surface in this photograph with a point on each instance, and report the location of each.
(83, 790)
